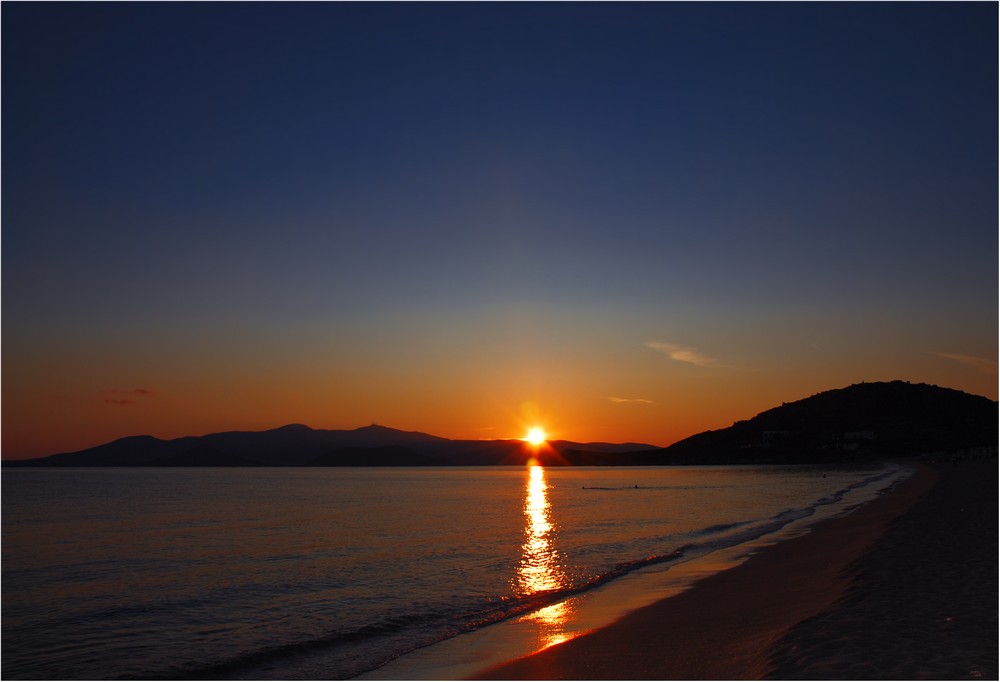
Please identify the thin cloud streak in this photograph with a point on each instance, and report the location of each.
(616, 399)
(684, 354)
(984, 365)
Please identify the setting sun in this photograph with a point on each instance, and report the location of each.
(536, 436)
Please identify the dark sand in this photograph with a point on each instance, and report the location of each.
(868, 595)
(924, 602)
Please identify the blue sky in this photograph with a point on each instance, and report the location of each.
(499, 186)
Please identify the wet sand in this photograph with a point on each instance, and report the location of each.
(816, 606)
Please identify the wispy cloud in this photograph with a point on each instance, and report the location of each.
(114, 396)
(616, 399)
(984, 365)
(684, 354)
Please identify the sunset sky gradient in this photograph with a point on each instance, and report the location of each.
(624, 222)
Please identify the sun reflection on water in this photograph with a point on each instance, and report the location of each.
(540, 570)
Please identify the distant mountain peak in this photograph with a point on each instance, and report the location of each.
(291, 428)
(375, 427)
(377, 431)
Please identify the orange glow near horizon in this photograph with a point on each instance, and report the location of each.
(98, 393)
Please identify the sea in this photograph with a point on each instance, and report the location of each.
(332, 573)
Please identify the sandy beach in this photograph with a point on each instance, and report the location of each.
(904, 587)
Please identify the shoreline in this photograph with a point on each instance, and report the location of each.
(471, 653)
(729, 625)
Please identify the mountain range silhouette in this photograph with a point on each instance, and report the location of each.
(863, 422)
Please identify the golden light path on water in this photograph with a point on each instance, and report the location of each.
(540, 569)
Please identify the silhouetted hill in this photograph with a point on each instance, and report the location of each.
(861, 422)
(299, 445)
(129, 451)
(389, 455)
(201, 456)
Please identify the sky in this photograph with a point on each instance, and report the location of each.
(621, 222)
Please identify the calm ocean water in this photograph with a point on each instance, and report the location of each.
(216, 573)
